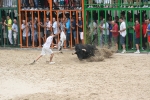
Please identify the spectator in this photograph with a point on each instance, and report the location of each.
(105, 32)
(115, 34)
(130, 2)
(90, 3)
(131, 32)
(67, 27)
(31, 4)
(148, 33)
(1, 3)
(9, 25)
(73, 27)
(36, 4)
(80, 29)
(138, 3)
(25, 29)
(93, 31)
(98, 3)
(145, 3)
(34, 33)
(110, 33)
(15, 31)
(4, 29)
(55, 29)
(47, 26)
(25, 4)
(144, 28)
(123, 33)
(62, 3)
(66, 4)
(107, 3)
(137, 31)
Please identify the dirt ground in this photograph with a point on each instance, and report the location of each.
(121, 77)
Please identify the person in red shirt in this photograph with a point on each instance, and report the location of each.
(115, 33)
(144, 31)
(137, 31)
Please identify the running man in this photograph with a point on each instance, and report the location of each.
(46, 49)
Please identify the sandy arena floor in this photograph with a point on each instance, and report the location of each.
(122, 77)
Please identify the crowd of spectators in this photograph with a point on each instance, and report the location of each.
(38, 31)
(57, 4)
(115, 31)
(8, 3)
(115, 3)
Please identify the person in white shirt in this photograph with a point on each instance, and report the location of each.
(105, 32)
(15, 31)
(46, 49)
(123, 33)
(55, 28)
(25, 29)
(98, 2)
(46, 27)
(93, 31)
(107, 3)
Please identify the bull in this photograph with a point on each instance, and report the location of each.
(84, 51)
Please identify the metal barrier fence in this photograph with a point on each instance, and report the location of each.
(9, 12)
(33, 32)
(130, 15)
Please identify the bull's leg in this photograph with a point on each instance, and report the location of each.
(74, 53)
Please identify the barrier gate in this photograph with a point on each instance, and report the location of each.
(130, 11)
(9, 8)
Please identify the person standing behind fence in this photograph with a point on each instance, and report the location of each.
(55, 29)
(131, 33)
(123, 33)
(9, 25)
(137, 32)
(73, 27)
(47, 26)
(144, 37)
(67, 27)
(80, 29)
(25, 29)
(115, 34)
(1, 3)
(15, 31)
(105, 29)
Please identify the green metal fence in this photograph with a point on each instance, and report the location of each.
(9, 7)
(113, 11)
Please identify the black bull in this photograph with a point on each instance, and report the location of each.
(84, 51)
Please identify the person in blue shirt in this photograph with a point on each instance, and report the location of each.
(67, 27)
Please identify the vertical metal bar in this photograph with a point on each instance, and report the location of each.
(70, 32)
(32, 28)
(98, 27)
(119, 33)
(44, 27)
(26, 29)
(1, 32)
(141, 29)
(19, 29)
(39, 30)
(6, 28)
(77, 39)
(133, 30)
(91, 11)
(106, 38)
(126, 17)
